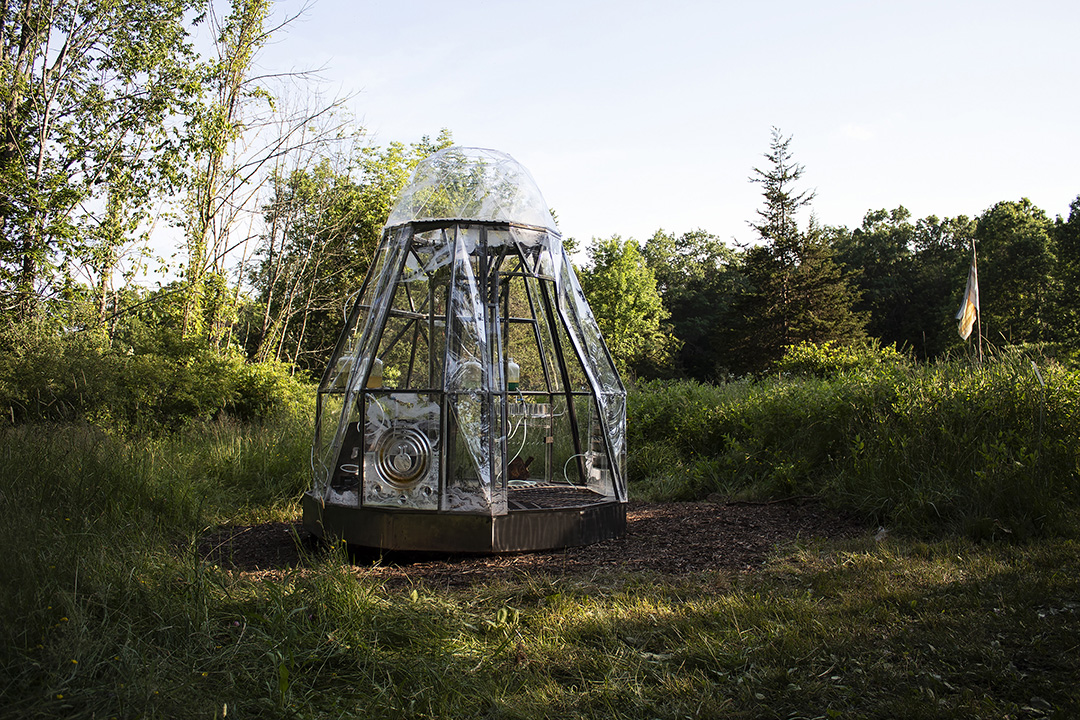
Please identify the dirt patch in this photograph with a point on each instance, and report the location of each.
(666, 538)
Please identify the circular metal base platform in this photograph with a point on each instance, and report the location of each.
(540, 518)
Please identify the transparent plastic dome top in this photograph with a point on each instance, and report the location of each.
(470, 403)
(472, 184)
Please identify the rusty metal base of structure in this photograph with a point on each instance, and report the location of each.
(530, 525)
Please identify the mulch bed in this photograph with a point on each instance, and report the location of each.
(667, 538)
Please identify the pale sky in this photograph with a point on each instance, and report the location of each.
(634, 116)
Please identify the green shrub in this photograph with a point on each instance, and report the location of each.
(57, 377)
(829, 359)
(991, 451)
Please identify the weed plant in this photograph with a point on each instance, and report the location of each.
(83, 377)
(988, 450)
(116, 616)
(108, 610)
(98, 534)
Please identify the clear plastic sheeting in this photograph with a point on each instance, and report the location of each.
(472, 184)
(471, 376)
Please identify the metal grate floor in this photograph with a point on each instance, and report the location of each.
(543, 497)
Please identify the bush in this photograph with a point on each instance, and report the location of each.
(829, 359)
(60, 377)
(989, 451)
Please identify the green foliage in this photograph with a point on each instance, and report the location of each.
(90, 94)
(986, 451)
(880, 252)
(45, 376)
(795, 290)
(323, 226)
(104, 582)
(1067, 275)
(829, 359)
(111, 611)
(1016, 264)
(621, 290)
(698, 278)
(910, 276)
(776, 225)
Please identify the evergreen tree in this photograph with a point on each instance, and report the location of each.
(796, 291)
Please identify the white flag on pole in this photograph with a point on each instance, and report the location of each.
(969, 306)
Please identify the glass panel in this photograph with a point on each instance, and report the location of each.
(471, 184)
(344, 487)
(567, 451)
(327, 417)
(615, 415)
(428, 281)
(576, 378)
(529, 441)
(550, 373)
(496, 440)
(341, 361)
(396, 350)
(521, 348)
(608, 425)
(586, 333)
(381, 297)
(433, 249)
(598, 469)
(468, 484)
(520, 332)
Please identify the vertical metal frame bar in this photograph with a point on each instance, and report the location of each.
(571, 408)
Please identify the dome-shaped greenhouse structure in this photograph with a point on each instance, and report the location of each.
(470, 404)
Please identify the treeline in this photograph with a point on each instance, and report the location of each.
(116, 135)
(261, 199)
(693, 306)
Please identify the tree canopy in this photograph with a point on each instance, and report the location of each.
(621, 289)
(113, 129)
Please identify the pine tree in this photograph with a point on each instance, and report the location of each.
(796, 291)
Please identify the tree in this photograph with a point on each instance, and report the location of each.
(244, 132)
(87, 94)
(777, 226)
(1016, 271)
(621, 290)
(697, 276)
(880, 256)
(942, 255)
(322, 230)
(1067, 240)
(796, 292)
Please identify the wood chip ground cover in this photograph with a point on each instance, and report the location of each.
(668, 538)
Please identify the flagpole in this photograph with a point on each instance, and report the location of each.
(978, 309)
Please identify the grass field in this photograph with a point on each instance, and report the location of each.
(970, 608)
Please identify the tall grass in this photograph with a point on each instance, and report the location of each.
(107, 610)
(986, 450)
(98, 564)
